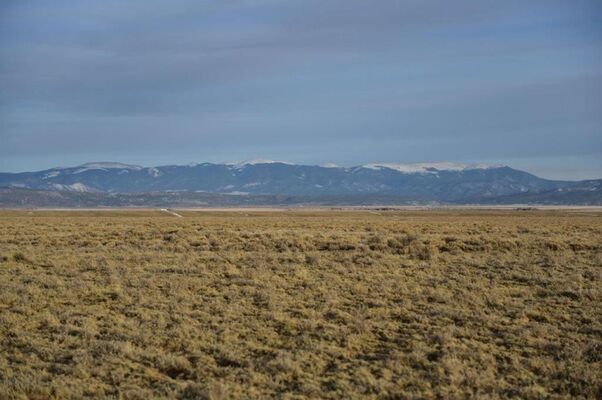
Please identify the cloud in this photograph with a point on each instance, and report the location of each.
(244, 76)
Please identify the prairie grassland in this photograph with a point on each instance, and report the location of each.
(220, 305)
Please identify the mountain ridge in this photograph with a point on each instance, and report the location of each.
(442, 182)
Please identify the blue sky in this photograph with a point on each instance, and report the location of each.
(344, 81)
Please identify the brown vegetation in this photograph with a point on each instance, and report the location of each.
(139, 305)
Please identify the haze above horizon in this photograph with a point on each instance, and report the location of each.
(311, 82)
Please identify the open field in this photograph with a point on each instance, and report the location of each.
(304, 304)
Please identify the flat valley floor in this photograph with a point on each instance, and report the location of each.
(300, 304)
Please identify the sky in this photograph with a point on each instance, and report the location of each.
(516, 82)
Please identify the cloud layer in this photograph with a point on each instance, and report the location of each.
(309, 81)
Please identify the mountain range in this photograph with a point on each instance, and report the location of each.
(267, 181)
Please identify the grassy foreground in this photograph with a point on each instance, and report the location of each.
(140, 305)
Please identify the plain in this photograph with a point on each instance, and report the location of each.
(303, 304)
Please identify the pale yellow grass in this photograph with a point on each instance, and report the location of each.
(220, 305)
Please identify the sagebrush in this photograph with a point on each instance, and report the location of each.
(314, 304)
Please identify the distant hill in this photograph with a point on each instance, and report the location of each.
(32, 198)
(28, 198)
(581, 193)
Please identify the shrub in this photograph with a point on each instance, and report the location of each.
(20, 257)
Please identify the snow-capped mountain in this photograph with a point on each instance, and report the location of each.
(441, 181)
(430, 168)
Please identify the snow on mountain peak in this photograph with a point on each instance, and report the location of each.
(258, 161)
(105, 166)
(110, 165)
(427, 168)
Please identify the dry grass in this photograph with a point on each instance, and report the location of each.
(139, 305)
